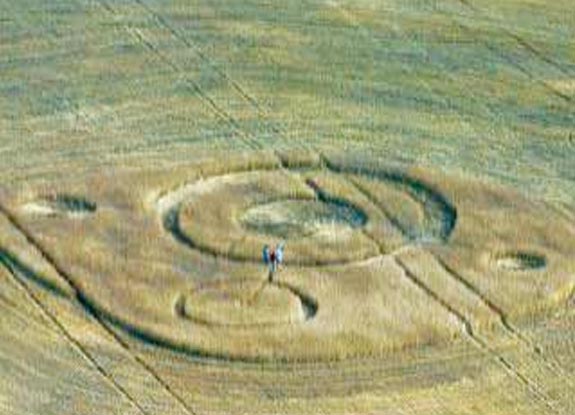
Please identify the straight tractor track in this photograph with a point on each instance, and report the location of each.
(241, 90)
(87, 306)
(247, 137)
(504, 320)
(522, 69)
(195, 88)
(261, 111)
(163, 22)
(477, 340)
(521, 41)
(191, 84)
(61, 329)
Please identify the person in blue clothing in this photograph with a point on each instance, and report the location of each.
(266, 255)
(269, 258)
(279, 257)
(273, 258)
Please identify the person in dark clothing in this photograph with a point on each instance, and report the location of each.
(272, 265)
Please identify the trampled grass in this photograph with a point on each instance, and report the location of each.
(415, 156)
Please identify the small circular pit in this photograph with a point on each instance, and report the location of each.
(60, 205)
(521, 261)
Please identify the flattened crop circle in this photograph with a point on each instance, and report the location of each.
(327, 216)
(245, 303)
(233, 216)
(300, 218)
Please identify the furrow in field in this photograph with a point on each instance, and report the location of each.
(195, 88)
(522, 42)
(241, 90)
(193, 85)
(163, 22)
(261, 111)
(521, 68)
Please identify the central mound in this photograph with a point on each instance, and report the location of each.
(301, 218)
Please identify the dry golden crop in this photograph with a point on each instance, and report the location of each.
(415, 158)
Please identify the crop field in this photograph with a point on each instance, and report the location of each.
(416, 157)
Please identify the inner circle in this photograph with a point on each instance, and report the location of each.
(246, 303)
(236, 215)
(289, 219)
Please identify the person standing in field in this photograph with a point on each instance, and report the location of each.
(273, 259)
(269, 258)
(266, 255)
(279, 254)
(272, 265)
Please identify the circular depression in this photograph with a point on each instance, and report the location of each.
(289, 219)
(234, 216)
(60, 204)
(521, 261)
